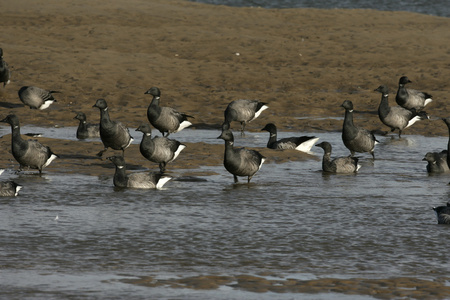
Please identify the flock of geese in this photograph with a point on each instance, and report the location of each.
(240, 162)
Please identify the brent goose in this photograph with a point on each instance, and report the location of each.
(337, 165)
(443, 213)
(112, 133)
(240, 161)
(447, 122)
(5, 74)
(165, 119)
(437, 162)
(9, 188)
(396, 117)
(409, 98)
(242, 111)
(36, 98)
(137, 180)
(28, 153)
(356, 139)
(161, 150)
(302, 143)
(86, 130)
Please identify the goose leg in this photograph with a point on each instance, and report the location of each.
(242, 128)
(399, 133)
(162, 167)
(101, 152)
(235, 179)
(249, 178)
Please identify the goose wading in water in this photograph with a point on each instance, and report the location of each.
(240, 161)
(242, 111)
(356, 139)
(302, 143)
(443, 213)
(36, 98)
(337, 165)
(5, 73)
(165, 119)
(397, 117)
(28, 153)
(161, 150)
(437, 162)
(112, 133)
(409, 98)
(139, 180)
(86, 130)
(9, 188)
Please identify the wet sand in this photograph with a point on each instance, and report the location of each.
(303, 62)
(395, 288)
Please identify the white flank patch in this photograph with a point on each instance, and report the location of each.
(263, 108)
(183, 125)
(46, 104)
(18, 188)
(162, 181)
(175, 155)
(413, 120)
(49, 160)
(427, 101)
(307, 145)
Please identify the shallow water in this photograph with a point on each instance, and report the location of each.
(292, 221)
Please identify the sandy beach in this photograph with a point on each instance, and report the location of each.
(303, 62)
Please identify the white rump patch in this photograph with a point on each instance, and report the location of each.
(18, 188)
(49, 160)
(46, 104)
(262, 161)
(180, 148)
(413, 120)
(162, 181)
(263, 108)
(129, 143)
(358, 166)
(183, 125)
(307, 145)
(1, 171)
(427, 101)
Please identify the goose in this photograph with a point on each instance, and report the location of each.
(9, 188)
(240, 161)
(356, 139)
(112, 133)
(86, 130)
(28, 153)
(396, 117)
(302, 143)
(165, 119)
(138, 180)
(443, 213)
(243, 111)
(409, 98)
(36, 98)
(5, 74)
(161, 150)
(338, 165)
(437, 162)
